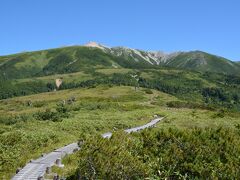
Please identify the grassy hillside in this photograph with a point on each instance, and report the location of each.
(201, 61)
(79, 58)
(27, 130)
(53, 61)
(210, 89)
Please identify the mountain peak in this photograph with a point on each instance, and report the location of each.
(95, 45)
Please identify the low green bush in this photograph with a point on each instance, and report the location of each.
(219, 114)
(191, 105)
(38, 104)
(48, 114)
(148, 91)
(61, 111)
(10, 120)
(211, 153)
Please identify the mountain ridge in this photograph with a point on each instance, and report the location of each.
(94, 55)
(192, 60)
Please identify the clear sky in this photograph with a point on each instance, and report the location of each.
(167, 25)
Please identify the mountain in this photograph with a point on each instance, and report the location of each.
(201, 61)
(94, 55)
(193, 60)
(53, 61)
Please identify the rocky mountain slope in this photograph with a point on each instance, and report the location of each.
(193, 60)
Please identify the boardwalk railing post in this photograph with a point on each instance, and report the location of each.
(55, 177)
(18, 169)
(40, 178)
(48, 170)
(58, 162)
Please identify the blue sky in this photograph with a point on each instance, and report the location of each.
(168, 25)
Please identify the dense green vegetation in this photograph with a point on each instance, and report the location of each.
(201, 61)
(215, 90)
(35, 72)
(39, 123)
(199, 137)
(35, 124)
(161, 153)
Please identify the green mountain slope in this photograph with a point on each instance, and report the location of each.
(201, 61)
(80, 58)
(53, 61)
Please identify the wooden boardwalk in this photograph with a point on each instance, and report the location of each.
(37, 168)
